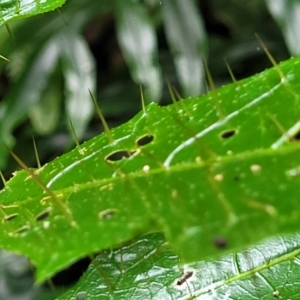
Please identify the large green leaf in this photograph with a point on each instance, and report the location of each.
(224, 165)
(148, 269)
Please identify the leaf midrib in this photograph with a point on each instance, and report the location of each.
(179, 167)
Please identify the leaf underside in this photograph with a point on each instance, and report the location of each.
(224, 165)
(148, 269)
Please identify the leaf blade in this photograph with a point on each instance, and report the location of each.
(147, 269)
(189, 179)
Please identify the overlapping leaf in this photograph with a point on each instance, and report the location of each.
(222, 166)
(147, 269)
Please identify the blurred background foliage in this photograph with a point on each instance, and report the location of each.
(110, 48)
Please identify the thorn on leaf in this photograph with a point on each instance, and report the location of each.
(10, 217)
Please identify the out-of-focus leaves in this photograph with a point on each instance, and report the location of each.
(187, 39)
(44, 115)
(28, 92)
(26, 59)
(137, 39)
(287, 15)
(78, 68)
(147, 269)
(17, 280)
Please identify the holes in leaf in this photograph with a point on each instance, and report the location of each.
(220, 242)
(119, 155)
(43, 215)
(296, 136)
(107, 214)
(236, 177)
(144, 140)
(22, 229)
(227, 134)
(187, 275)
(10, 217)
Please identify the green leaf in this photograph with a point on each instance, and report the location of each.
(186, 35)
(18, 9)
(44, 115)
(224, 165)
(28, 91)
(79, 72)
(148, 269)
(30, 64)
(136, 36)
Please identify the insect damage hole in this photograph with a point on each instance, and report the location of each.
(119, 155)
(10, 217)
(22, 230)
(227, 134)
(43, 215)
(220, 242)
(107, 214)
(144, 140)
(184, 279)
(296, 136)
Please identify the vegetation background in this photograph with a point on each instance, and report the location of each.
(90, 37)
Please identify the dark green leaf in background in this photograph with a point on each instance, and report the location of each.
(32, 67)
(137, 39)
(187, 38)
(78, 69)
(44, 115)
(79, 76)
(27, 93)
(287, 14)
